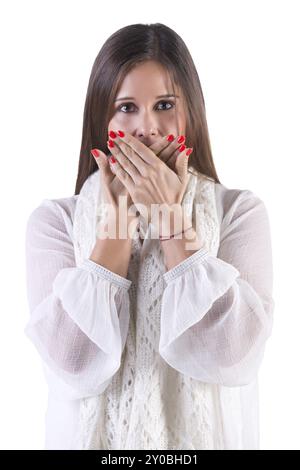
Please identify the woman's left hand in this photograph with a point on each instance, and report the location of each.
(147, 178)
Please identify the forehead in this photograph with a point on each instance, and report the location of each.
(151, 77)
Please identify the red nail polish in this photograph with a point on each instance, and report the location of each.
(112, 159)
(181, 139)
(95, 153)
(111, 144)
(170, 138)
(121, 133)
(189, 151)
(181, 148)
(112, 134)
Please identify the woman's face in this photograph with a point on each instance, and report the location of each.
(140, 111)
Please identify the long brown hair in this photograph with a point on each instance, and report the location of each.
(124, 49)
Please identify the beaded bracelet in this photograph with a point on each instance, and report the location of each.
(172, 236)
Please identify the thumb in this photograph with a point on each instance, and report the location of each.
(181, 164)
(103, 163)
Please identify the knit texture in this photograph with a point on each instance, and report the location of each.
(148, 404)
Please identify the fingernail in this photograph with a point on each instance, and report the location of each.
(181, 139)
(181, 148)
(95, 153)
(112, 159)
(121, 133)
(112, 134)
(111, 144)
(170, 138)
(189, 151)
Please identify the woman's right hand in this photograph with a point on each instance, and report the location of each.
(111, 189)
(111, 185)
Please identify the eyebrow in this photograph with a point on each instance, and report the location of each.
(160, 96)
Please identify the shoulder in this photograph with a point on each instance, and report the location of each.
(53, 213)
(233, 203)
(232, 197)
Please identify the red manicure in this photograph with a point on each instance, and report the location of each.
(181, 139)
(181, 148)
(112, 159)
(111, 144)
(95, 152)
(170, 138)
(112, 134)
(189, 151)
(121, 133)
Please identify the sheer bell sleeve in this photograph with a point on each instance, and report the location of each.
(79, 316)
(217, 311)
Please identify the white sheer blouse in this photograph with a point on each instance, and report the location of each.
(216, 315)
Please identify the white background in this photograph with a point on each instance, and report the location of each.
(247, 57)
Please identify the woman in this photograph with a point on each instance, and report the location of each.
(152, 340)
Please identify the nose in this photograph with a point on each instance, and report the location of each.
(147, 128)
(147, 135)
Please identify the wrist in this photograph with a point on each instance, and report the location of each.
(180, 234)
(186, 243)
(175, 222)
(117, 226)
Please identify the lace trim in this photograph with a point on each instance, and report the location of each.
(199, 255)
(105, 273)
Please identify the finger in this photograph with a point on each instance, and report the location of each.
(181, 164)
(168, 152)
(123, 176)
(127, 142)
(125, 163)
(172, 160)
(102, 161)
(110, 163)
(162, 144)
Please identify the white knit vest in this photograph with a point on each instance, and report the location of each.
(148, 404)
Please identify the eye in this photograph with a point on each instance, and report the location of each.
(123, 106)
(167, 102)
(161, 102)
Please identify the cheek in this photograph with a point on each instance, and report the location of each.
(115, 124)
(182, 118)
(119, 120)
